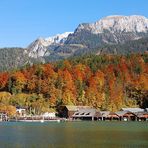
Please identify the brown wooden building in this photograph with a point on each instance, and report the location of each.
(126, 116)
(68, 110)
(107, 115)
(142, 116)
(89, 113)
(120, 115)
(86, 114)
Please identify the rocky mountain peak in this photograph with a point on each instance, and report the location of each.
(39, 47)
(110, 30)
(117, 23)
(59, 38)
(114, 34)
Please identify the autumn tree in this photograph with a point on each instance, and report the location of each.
(81, 74)
(3, 80)
(95, 92)
(18, 82)
(5, 97)
(68, 87)
(8, 109)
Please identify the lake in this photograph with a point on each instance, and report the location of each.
(104, 134)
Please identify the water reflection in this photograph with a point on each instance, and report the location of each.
(74, 134)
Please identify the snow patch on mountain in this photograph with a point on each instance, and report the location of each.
(39, 47)
(59, 38)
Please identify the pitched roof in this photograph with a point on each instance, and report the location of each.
(86, 113)
(71, 107)
(76, 108)
(133, 110)
(121, 113)
(105, 113)
(141, 114)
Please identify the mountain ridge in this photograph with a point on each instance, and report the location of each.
(113, 29)
(39, 47)
(133, 23)
(97, 38)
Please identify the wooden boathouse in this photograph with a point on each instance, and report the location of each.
(68, 111)
(126, 116)
(107, 115)
(90, 113)
(86, 114)
(142, 116)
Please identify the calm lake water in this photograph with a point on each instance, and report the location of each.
(74, 134)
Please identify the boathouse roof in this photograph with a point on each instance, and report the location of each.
(105, 113)
(141, 114)
(76, 108)
(88, 112)
(133, 110)
(121, 113)
(71, 107)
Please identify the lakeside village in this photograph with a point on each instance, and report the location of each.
(78, 113)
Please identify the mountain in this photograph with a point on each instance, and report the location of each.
(110, 30)
(110, 35)
(118, 24)
(129, 47)
(12, 58)
(39, 47)
(87, 37)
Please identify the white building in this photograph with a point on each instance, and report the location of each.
(49, 115)
(21, 111)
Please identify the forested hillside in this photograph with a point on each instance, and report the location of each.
(136, 46)
(11, 58)
(108, 82)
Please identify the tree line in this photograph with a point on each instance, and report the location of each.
(107, 82)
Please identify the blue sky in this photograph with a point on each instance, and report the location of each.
(22, 21)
